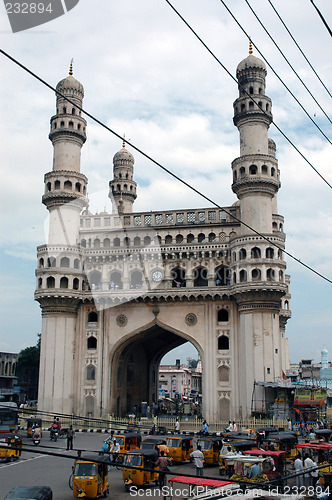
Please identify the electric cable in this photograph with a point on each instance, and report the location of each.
(322, 17)
(244, 90)
(297, 45)
(161, 166)
(289, 64)
(275, 73)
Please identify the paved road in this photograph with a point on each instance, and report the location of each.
(36, 469)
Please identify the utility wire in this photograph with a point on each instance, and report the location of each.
(276, 74)
(289, 64)
(297, 45)
(160, 165)
(322, 17)
(244, 90)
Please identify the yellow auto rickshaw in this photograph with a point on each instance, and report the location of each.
(90, 477)
(152, 443)
(210, 447)
(180, 446)
(10, 439)
(284, 441)
(31, 424)
(140, 459)
(127, 440)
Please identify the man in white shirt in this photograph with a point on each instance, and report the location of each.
(115, 450)
(298, 465)
(309, 477)
(198, 458)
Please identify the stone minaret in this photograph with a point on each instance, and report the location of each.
(258, 268)
(123, 187)
(59, 273)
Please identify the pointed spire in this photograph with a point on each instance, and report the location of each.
(250, 47)
(71, 68)
(124, 142)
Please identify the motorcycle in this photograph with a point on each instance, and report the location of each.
(36, 440)
(54, 434)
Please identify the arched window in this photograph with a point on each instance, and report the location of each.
(115, 280)
(242, 254)
(179, 238)
(41, 262)
(273, 171)
(126, 241)
(168, 240)
(222, 276)
(222, 315)
(92, 343)
(76, 283)
(256, 274)
(64, 282)
(242, 172)
(251, 90)
(64, 262)
(107, 243)
(71, 124)
(92, 317)
(212, 237)
(67, 185)
(62, 123)
(223, 343)
(40, 282)
(201, 238)
(116, 242)
(96, 243)
(286, 305)
(200, 276)
(243, 107)
(234, 278)
(234, 175)
(64, 110)
(83, 243)
(253, 170)
(281, 276)
(51, 262)
(190, 238)
(50, 282)
(137, 241)
(251, 105)
(90, 372)
(264, 169)
(76, 263)
(178, 276)
(136, 279)
(243, 275)
(255, 253)
(147, 241)
(270, 274)
(49, 186)
(72, 111)
(223, 373)
(94, 280)
(269, 253)
(57, 185)
(78, 187)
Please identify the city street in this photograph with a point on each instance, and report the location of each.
(36, 469)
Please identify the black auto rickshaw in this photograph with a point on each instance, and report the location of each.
(284, 441)
(140, 459)
(180, 446)
(127, 440)
(32, 423)
(90, 477)
(210, 447)
(7, 441)
(30, 492)
(323, 434)
(151, 443)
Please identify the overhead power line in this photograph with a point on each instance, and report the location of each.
(322, 17)
(289, 64)
(244, 90)
(276, 74)
(25, 68)
(297, 45)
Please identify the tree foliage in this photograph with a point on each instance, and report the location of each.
(28, 370)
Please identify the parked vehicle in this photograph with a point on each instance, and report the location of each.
(30, 492)
(180, 446)
(8, 417)
(151, 443)
(90, 477)
(7, 440)
(140, 459)
(127, 440)
(284, 441)
(210, 447)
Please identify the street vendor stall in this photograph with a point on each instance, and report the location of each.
(322, 454)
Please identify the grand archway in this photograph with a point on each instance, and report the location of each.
(134, 367)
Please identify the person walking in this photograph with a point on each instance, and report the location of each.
(163, 463)
(198, 458)
(177, 425)
(70, 437)
(298, 466)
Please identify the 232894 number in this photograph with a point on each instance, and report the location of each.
(28, 8)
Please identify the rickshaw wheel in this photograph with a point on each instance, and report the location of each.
(70, 482)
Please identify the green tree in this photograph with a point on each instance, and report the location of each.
(27, 370)
(192, 363)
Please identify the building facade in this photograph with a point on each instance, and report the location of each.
(118, 291)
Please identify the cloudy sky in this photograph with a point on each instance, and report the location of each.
(146, 75)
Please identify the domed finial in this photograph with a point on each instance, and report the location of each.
(71, 68)
(250, 47)
(124, 142)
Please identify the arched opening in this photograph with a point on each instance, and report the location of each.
(41, 262)
(222, 276)
(222, 315)
(94, 280)
(92, 343)
(64, 282)
(190, 238)
(67, 185)
(147, 241)
(83, 243)
(90, 406)
(201, 238)
(255, 253)
(76, 283)
(64, 262)
(179, 238)
(115, 280)
(242, 254)
(212, 237)
(270, 274)
(269, 253)
(150, 367)
(168, 240)
(137, 241)
(50, 282)
(51, 262)
(93, 317)
(96, 243)
(76, 263)
(243, 275)
(178, 275)
(223, 343)
(116, 242)
(136, 279)
(200, 277)
(256, 274)
(253, 170)
(90, 373)
(40, 282)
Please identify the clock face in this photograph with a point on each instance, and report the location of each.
(157, 276)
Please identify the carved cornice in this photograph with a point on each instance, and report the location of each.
(58, 305)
